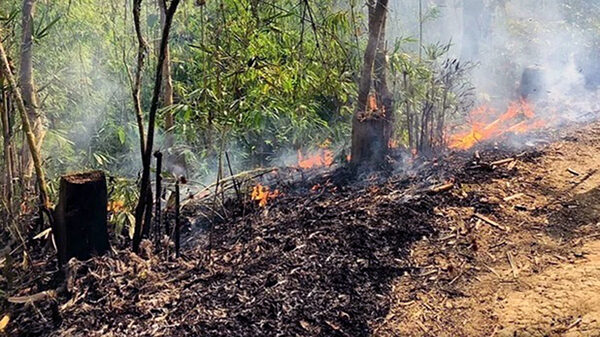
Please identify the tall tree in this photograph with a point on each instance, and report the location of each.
(369, 137)
(143, 205)
(27, 85)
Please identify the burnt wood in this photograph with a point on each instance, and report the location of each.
(80, 215)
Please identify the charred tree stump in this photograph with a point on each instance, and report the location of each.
(533, 82)
(81, 216)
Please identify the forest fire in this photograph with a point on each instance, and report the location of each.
(323, 157)
(519, 118)
(263, 194)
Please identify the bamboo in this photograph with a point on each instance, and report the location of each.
(157, 215)
(177, 221)
(31, 141)
(6, 135)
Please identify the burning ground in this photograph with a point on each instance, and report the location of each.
(492, 241)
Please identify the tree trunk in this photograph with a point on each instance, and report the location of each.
(174, 161)
(383, 93)
(81, 216)
(8, 147)
(26, 83)
(145, 188)
(369, 143)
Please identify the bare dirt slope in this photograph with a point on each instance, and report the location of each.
(538, 276)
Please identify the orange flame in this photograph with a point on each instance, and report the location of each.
(115, 206)
(372, 103)
(518, 118)
(323, 157)
(262, 194)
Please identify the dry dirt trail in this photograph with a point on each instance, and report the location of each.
(539, 277)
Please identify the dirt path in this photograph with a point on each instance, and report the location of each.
(540, 277)
(564, 299)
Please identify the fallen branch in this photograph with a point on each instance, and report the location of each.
(573, 172)
(514, 196)
(490, 222)
(513, 267)
(440, 188)
(247, 175)
(41, 296)
(502, 161)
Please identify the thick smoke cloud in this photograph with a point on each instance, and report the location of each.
(506, 37)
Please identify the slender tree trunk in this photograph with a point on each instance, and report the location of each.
(145, 189)
(8, 147)
(369, 145)
(27, 128)
(136, 89)
(137, 81)
(27, 85)
(173, 160)
(167, 92)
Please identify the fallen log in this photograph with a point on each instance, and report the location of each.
(81, 216)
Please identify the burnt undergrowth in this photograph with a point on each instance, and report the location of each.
(317, 260)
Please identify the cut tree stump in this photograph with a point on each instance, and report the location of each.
(80, 216)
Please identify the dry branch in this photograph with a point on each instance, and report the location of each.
(490, 222)
(502, 161)
(440, 188)
(41, 296)
(514, 196)
(573, 172)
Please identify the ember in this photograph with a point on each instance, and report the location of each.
(518, 118)
(262, 194)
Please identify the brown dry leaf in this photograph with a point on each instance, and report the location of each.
(307, 326)
(4, 322)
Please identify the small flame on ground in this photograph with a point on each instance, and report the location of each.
(262, 194)
(323, 157)
(518, 118)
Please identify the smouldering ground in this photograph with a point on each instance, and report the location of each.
(509, 250)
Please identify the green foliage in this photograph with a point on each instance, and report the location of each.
(427, 93)
(122, 200)
(261, 76)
